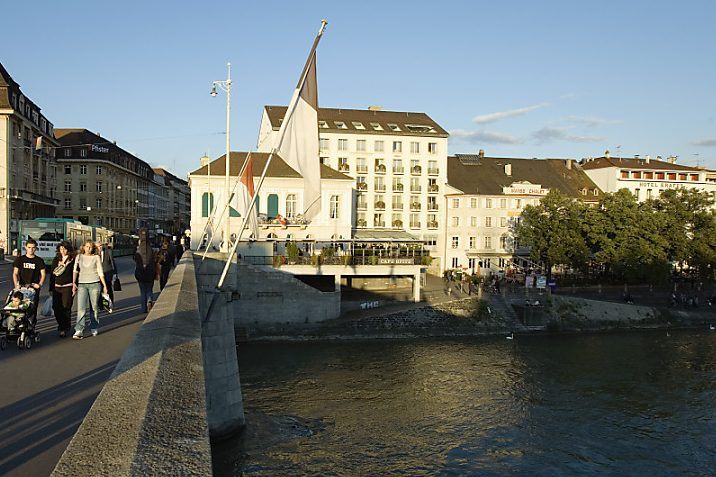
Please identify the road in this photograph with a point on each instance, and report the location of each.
(47, 390)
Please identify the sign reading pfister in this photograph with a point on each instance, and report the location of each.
(524, 188)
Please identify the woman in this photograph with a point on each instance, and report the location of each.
(61, 286)
(145, 271)
(88, 281)
(166, 261)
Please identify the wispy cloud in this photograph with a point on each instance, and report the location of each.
(590, 121)
(708, 142)
(492, 117)
(563, 133)
(484, 137)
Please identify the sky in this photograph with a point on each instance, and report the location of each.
(557, 79)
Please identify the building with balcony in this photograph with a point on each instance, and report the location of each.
(178, 202)
(396, 160)
(485, 197)
(644, 177)
(102, 184)
(27, 161)
(279, 204)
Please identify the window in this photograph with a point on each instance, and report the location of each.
(376, 126)
(414, 221)
(414, 147)
(503, 242)
(360, 145)
(488, 203)
(361, 165)
(397, 146)
(83, 187)
(343, 164)
(378, 220)
(518, 204)
(648, 194)
(340, 124)
(99, 170)
(358, 125)
(83, 204)
(472, 241)
(207, 204)
(272, 206)
(322, 124)
(455, 262)
(99, 186)
(433, 167)
(397, 166)
(99, 203)
(488, 221)
(335, 207)
(68, 203)
(455, 241)
(83, 152)
(432, 148)
(378, 146)
(456, 203)
(488, 242)
(415, 184)
(324, 144)
(473, 202)
(503, 221)
(291, 205)
(637, 194)
(68, 186)
(343, 144)
(430, 240)
(624, 174)
(83, 169)
(503, 203)
(394, 127)
(473, 221)
(456, 221)
(68, 168)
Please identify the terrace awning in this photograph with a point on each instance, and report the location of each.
(381, 235)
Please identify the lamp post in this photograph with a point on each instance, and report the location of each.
(225, 86)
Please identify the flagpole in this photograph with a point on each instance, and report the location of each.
(304, 74)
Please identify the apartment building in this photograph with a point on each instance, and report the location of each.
(485, 197)
(102, 184)
(279, 201)
(396, 160)
(27, 161)
(644, 177)
(178, 202)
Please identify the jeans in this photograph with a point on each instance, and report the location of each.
(146, 293)
(87, 299)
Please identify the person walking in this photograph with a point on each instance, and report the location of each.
(165, 259)
(29, 270)
(109, 268)
(61, 286)
(145, 271)
(88, 278)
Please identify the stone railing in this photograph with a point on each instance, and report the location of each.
(151, 416)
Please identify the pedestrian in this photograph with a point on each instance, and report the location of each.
(109, 268)
(29, 270)
(61, 286)
(145, 271)
(88, 278)
(165, 260)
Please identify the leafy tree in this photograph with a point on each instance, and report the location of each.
(552, 230)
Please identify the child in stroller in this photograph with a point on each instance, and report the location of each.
(18, 319)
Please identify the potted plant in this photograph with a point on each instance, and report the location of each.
(292, 252)
(417, 169)
(380, 205)
(397, 223)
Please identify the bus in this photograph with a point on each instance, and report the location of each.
(49, 232)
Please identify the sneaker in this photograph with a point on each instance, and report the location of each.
(95, 332)
(62, 334)
(77, 335)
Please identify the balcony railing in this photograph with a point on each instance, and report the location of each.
(432, 207)
(380, 187)
(362, 205)
(361, 223)
(398, 224)
(398, 170)
(361, 169)
(397, 187)
(415, 188)
(414, 225)
(380, 205)
(432, 224)
(418, 258)
(379, 224)
(397, 206)
(362, 186)
(433, 171)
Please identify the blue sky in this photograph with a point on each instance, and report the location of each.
(517, 78)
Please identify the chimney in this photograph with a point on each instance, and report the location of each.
(606, 154)
(647, 159)
(374, 108)
(508, 169)
(568, 163)
(204, 160)
(636, 156)
(481, 154)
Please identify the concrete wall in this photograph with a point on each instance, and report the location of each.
(149, 419)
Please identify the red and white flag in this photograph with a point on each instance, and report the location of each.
(245, 195)
(298, 135)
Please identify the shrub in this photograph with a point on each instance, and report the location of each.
(292, 252)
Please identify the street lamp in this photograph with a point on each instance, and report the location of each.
(225, 86)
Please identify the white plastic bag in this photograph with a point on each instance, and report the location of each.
(47, 308)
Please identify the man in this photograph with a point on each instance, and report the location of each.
(108, 267)
(29, 270)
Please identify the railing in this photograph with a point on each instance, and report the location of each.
(397, 206)
(347, 260)
(433, 188)
(433, 171)
(380, 187)
(414, 225)
(415, 206)
(432, 207)
(361, 205)
(362, 169)
(398, 188)
(362, 186)
(379, 224)
(432, 225)
(416, 170)
(380, 205)
(415, 188)
(398, 170)
(380, 169)
(343, 168)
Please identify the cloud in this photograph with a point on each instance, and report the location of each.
(492, 117)
(590, 121)
(552, 133)
(708, 142)
(484, 137)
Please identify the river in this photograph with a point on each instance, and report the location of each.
(627, 404)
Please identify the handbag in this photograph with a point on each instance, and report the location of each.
(116, 285)
(59, 269)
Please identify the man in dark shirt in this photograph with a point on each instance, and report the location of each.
(29, 270)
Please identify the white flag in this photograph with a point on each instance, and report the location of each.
(246, 194)
(298, 136)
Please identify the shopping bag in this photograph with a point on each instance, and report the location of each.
(106, 303)
(116, 285)
(47, 308)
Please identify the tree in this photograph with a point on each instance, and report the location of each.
(552, 231)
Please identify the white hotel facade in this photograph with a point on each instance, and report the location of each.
(397, 161)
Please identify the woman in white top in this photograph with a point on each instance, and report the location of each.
(88, 282)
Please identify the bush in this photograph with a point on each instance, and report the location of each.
(328, 252)
(426, 260)
(292, 252)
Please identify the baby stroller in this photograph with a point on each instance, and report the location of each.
(18, 323)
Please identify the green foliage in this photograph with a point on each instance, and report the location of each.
(292, 251)
(328, 252)
(426, 260)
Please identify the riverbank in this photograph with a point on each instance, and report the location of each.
(495, 315)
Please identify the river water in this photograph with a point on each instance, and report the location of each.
(604, 404)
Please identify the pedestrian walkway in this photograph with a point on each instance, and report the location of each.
(47, 390)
